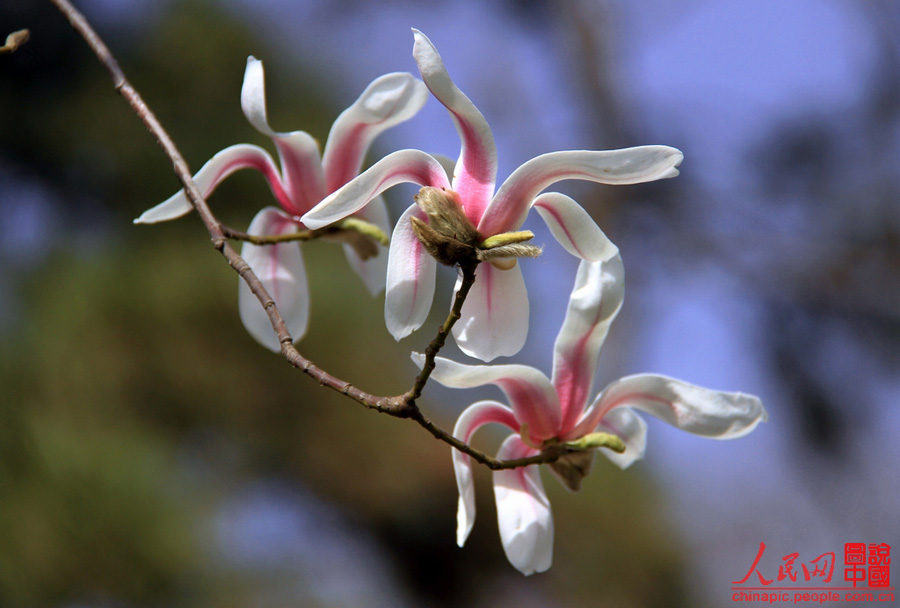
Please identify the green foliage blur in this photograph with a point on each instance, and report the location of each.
(127, 365)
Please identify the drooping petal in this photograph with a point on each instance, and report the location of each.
(528, 390)
(410, 279)
(574, 228)
(399, 167)
(299, 152)
(631, 429)
(494, 318)
(473, 417)
(387, 101)
(476, 168)
(280, 269)
(523, 511)
(692, 408)
(373, 270)
(595, 301)
(220, 166)
(510, 205)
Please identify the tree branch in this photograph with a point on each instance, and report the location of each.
(400, 406)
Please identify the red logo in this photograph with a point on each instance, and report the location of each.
(866, 569)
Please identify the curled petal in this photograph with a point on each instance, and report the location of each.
(574, 228)
(529, 392)
(626, 424)
(494, 318)
(692, 408)
(220, 166)
(373, 270)
(523, 511)
(410, 279)
(399, 167)
(476, 168)
(387, 101)
(510, 205)
(280, 269)
(595, 301)
(475, 416)
(299, 152)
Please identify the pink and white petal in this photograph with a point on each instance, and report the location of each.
(220, 166)
(476, 168)
(527, 389)
(523, 511)
(593, 305)
(399, 167)
(574, 228)
(372, 271)
(510, 205)
(281, 270)
(691, 408)
(299, 152)
(472, 418)
(494, 318)
(631, 429)
(410, 279)
(387, 101)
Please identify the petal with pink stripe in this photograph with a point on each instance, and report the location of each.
(473, 417)
(523, 511)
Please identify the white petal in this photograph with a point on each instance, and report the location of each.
(631, 429)
(574, 228)
(280, 269)
(528, 390)
(593, 305)
(692, 408)
(473, 417)
(523, 511)
(372, 271)
(494, 320)
(410, 279)
(510, 205)
(387, 101)
(220, 166)
(476, 169)
(299, 152)
(403, 166)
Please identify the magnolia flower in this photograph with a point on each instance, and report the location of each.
(303, 180)
(548, 412)
(494, 318)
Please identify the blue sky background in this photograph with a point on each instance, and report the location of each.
(715, 79)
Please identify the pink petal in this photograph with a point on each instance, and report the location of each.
(387, 101)
(574, 228)
(410, 279)
(692, 408)
(403, 166)
(281, 270)
(510, 205)
(473, 417)
(529, 392)
(476, 169)
(220, 166)
(299, 152)
(595, 301)
(523, 511)
(494, 319)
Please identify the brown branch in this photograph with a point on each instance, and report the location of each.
(400, 406)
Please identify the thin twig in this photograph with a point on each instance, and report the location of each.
(400, 406)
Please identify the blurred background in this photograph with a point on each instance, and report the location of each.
(152, 454)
